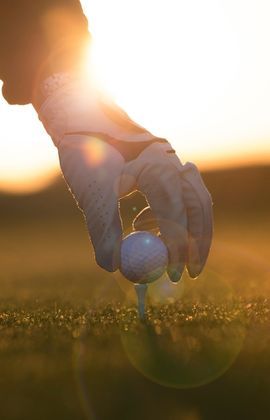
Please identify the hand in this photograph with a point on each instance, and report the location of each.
(105, 156)
(176, 194)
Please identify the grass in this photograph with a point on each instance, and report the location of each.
(65, 360)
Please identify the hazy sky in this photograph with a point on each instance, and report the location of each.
(196, 72)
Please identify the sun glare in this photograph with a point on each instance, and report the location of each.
(197, 73)
(194, 72)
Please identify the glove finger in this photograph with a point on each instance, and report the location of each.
(161, 185)
(200, 219)
(92, 170)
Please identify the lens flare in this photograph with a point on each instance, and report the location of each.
(94, 151)
(183, 357)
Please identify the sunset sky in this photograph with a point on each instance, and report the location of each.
(197, 73)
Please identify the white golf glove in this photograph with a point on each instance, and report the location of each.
(104, 156)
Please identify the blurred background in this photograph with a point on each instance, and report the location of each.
(45, 247)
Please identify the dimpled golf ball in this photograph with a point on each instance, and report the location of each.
(144, 257)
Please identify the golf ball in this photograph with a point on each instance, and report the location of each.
(144, 257)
